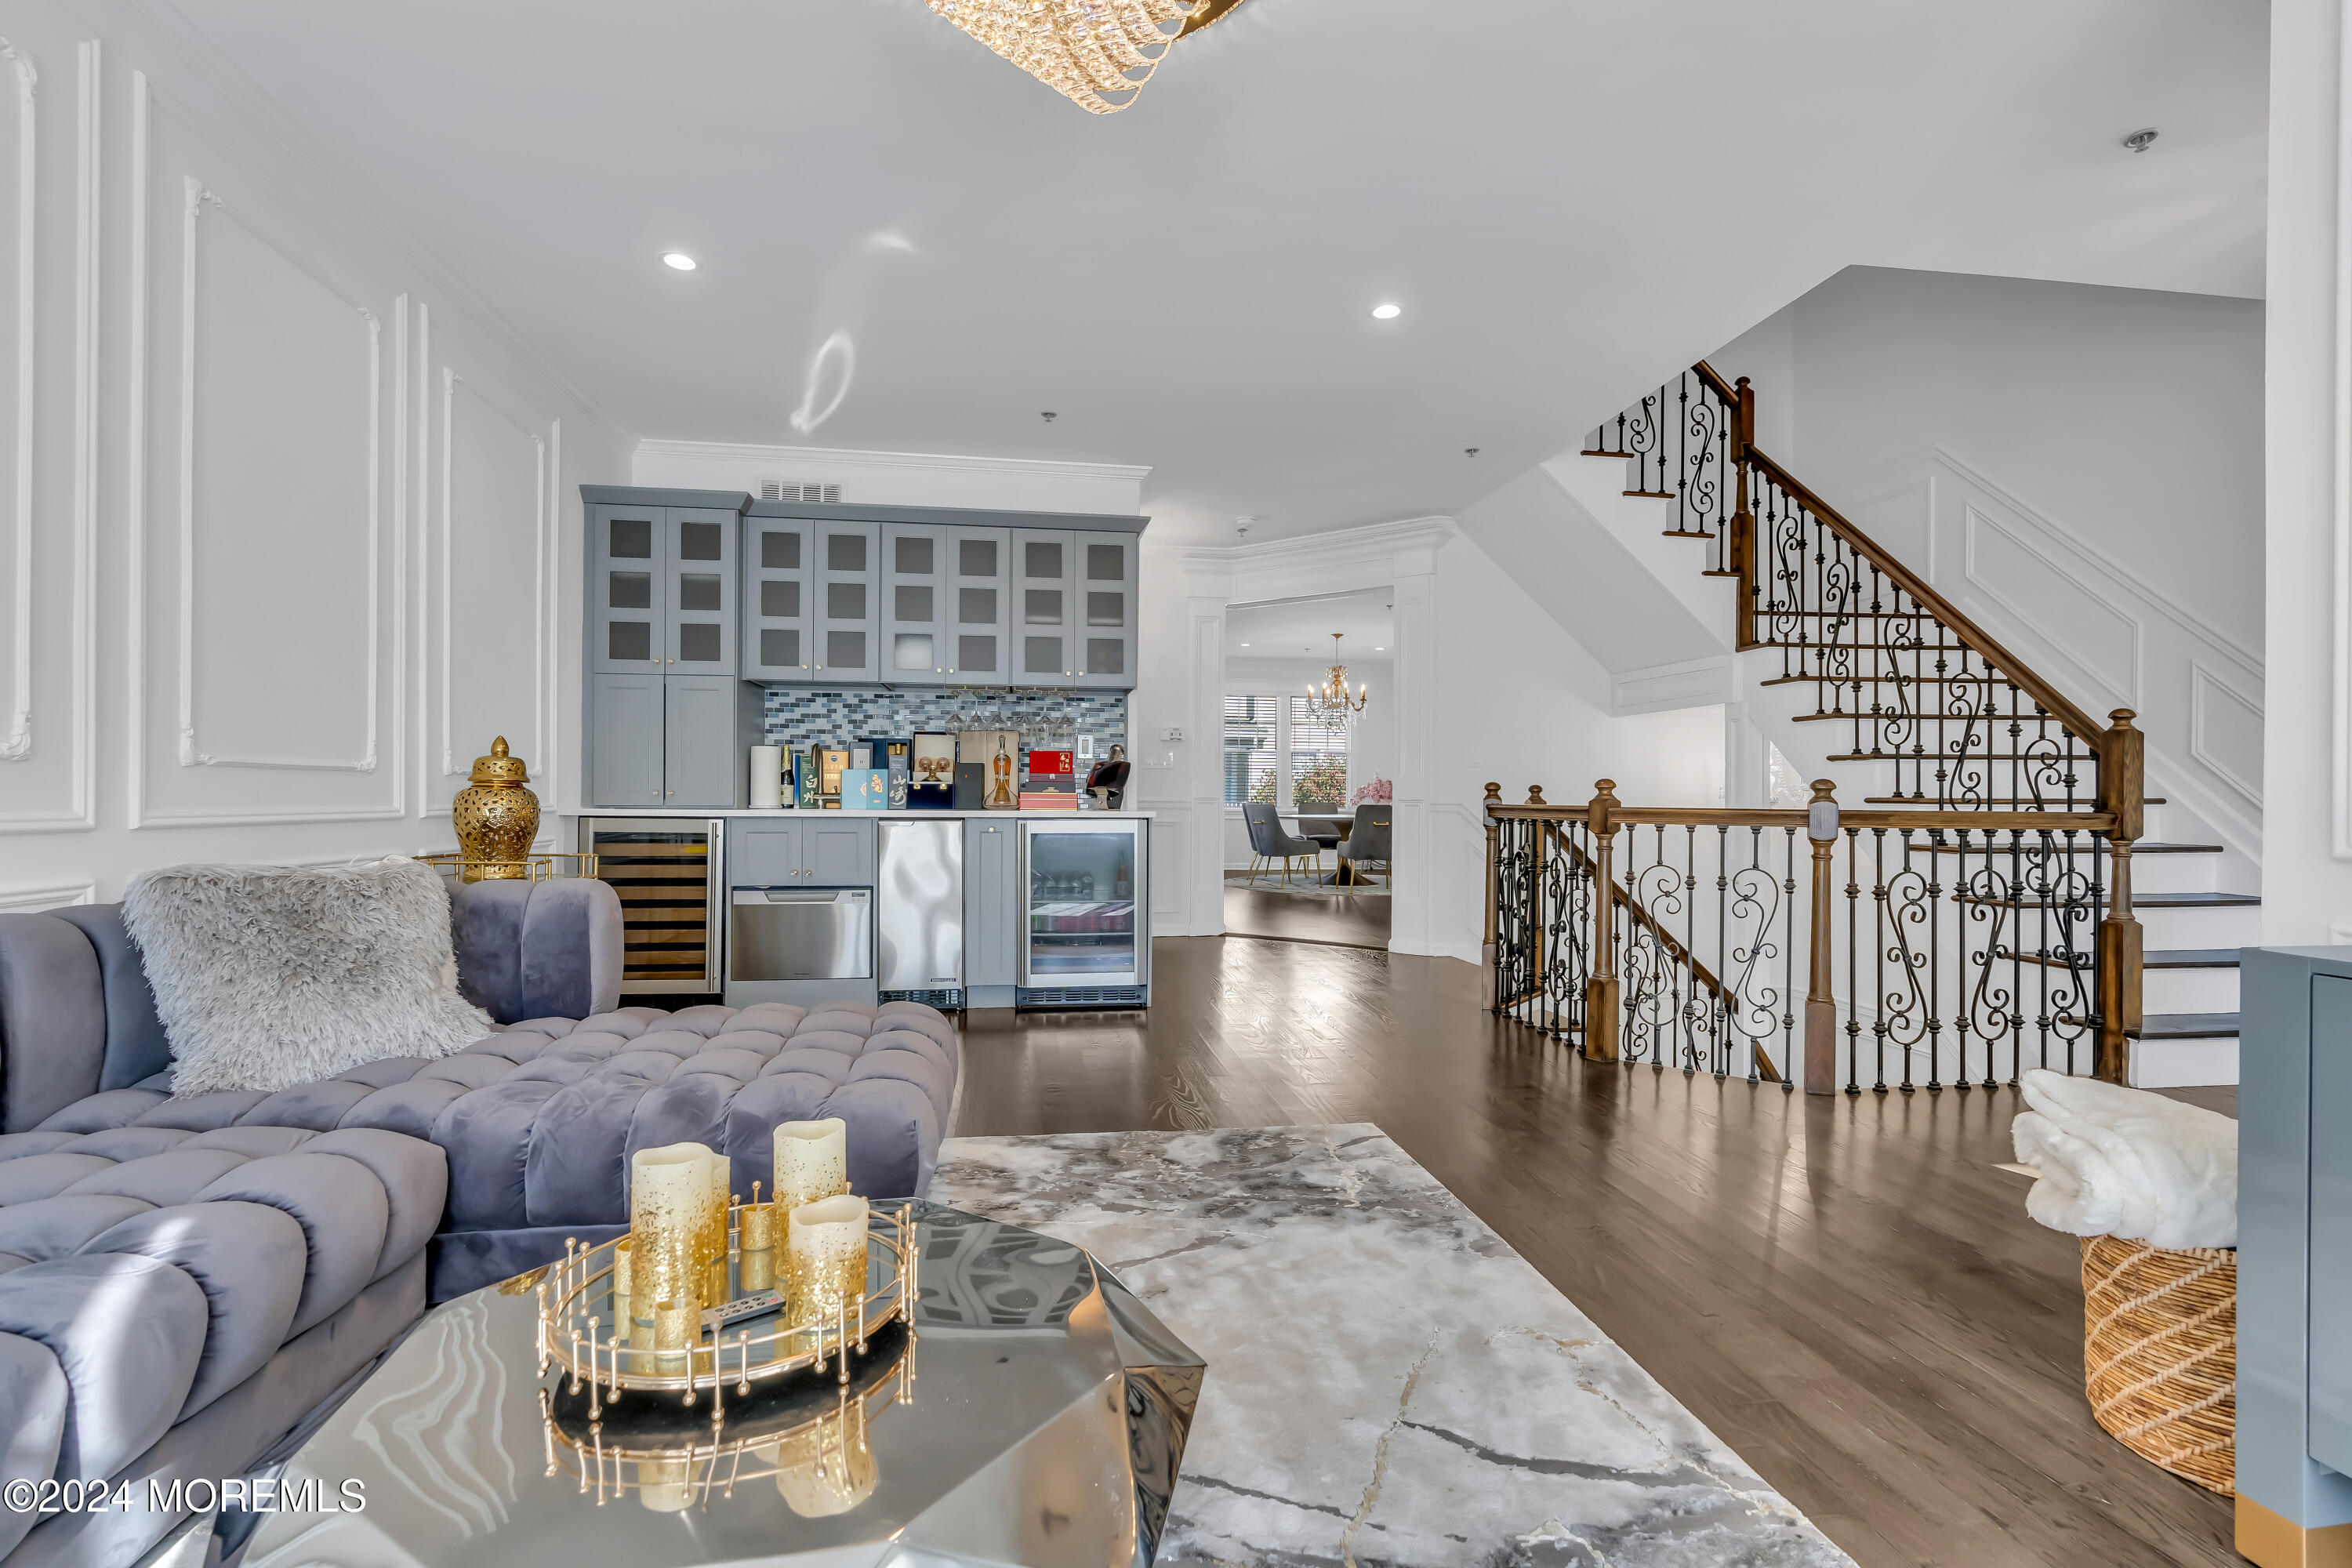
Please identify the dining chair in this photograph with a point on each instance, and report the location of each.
(1270, 842)
(1370, 840)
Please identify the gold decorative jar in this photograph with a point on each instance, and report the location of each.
(495, 816)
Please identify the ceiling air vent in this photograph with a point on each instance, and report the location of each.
(797, 489)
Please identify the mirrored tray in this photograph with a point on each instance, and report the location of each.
(587, 1336)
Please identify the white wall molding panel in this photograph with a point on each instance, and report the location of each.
(282, 545)
(48, 343)
(2105, 636)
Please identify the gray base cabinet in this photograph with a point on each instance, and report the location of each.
(836, 850)
(992, 906)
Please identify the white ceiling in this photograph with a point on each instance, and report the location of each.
(1302, 629)
(1569, 200)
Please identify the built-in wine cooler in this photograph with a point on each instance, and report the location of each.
(1085, 939)
(668, 873)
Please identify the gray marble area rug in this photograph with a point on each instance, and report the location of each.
(1389, 1383)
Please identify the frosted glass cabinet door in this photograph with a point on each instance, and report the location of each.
(700, 601)
(699, 762)
(625, 769)
(627, 590)
(978, 606)
(1104, 603)
(849, 591)
(914, 601)
(779, 574)
(1042, 568)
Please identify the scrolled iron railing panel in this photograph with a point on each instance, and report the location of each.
(1680, 443)
(1962, 947)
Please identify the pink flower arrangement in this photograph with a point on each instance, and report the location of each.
(1378, 791)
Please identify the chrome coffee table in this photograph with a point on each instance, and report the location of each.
(1033, 1412)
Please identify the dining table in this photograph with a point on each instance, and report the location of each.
(1330, 829)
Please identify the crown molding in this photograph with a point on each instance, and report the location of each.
(1364, 539)
(848, 458)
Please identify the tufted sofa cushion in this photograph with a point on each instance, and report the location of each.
(536, 1123)
(155, 1255)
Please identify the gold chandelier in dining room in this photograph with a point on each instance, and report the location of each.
(1083, 49)
(1331, 704)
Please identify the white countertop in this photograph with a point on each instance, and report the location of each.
(730, 811)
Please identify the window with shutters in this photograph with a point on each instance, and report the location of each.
(1253, 747)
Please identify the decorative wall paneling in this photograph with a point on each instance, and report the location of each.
(2099, 629)
(229, 642)
(47, 625)
(494, 552)
(33, 900)
(256, 484)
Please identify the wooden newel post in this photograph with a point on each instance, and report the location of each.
(1820, 1002)
(1601, 991)
(2123, 790)
(1493, 892)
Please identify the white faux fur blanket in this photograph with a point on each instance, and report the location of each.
(268, 976)
(2123, 1162)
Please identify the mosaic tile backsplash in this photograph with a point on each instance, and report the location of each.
(802, 716)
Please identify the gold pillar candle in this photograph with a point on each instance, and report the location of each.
(669, 1199)
(678, 1330)
(827, 1468)
(665, 1486)
(624, 1318)
(825, 1259)
(714, 1236)
(812, 1162)
(756, 1230)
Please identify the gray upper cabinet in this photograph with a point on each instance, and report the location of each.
(849, 593)
(1044, 560)
(1105, 606)
(978, 606)
(628, 589)
(779, 599)
(915, 569)
(700, 608)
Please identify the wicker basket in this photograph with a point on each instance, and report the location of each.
(2161, 1353)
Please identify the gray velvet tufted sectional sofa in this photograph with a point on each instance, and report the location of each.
(183, 1281)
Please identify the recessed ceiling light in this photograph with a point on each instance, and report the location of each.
(1382, 648)
(679, 260)
(1387, 312)
(1244, 644)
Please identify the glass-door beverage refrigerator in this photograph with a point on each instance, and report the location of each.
(1084, 940)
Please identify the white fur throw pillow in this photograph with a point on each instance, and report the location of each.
(268, 976)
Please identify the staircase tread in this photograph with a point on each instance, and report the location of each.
(2160, 847)
(2190, 958)
(2202, 900)
(2184, 1027)
(1895, 679)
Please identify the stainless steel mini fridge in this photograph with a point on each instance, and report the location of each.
(1085, 938)
(918, 911)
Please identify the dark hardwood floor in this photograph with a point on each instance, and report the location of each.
(1846, 1290)
(1356, 920)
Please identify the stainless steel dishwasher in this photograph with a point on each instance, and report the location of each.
(799, 944)
(918, 907)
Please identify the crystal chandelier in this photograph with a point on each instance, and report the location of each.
(1084, 49)
(1332, 705)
